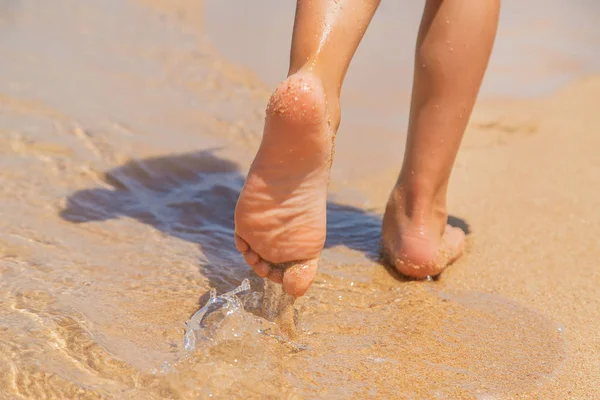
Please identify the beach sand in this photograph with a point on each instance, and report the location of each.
(126, 129)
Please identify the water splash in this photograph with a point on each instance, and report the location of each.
(277, 308)
(228, 300)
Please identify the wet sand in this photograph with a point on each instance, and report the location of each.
(126, 129)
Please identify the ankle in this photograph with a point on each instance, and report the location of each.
(421, 203)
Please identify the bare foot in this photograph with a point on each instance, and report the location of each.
(416, 238)
(280, 218)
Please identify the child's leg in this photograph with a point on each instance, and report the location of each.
(453, 48)
(280, 216)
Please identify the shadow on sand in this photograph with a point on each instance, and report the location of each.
(192, 196)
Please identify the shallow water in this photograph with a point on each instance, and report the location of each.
(119, 124)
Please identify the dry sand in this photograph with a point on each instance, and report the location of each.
(117, 194)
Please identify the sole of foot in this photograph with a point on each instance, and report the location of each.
(280, 217)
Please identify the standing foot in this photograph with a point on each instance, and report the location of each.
(417, 241)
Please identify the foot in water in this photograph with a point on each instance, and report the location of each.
(280, 218)
(416, 238)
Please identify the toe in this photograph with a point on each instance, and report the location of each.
(298, 278)
(241, 244)
(276, 275)
(251, 257)
(261, 269)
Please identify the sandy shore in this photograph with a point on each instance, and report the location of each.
(123, 151)
(524, 183)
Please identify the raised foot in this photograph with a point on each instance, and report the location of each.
(280, 218)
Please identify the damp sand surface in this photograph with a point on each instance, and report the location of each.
(126, 129)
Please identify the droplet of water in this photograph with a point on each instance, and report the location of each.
(165, 368)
